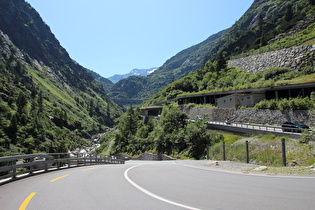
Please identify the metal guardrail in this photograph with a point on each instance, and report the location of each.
(257, 127)
(12, 166)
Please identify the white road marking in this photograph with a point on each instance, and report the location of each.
(152, 194)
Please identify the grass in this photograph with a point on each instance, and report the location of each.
(265, 150)
(296, 170)
(305, 37)
(66, 98)
(303, 79)
(309, 42)
(231, 138)
(258, 84)
(62, 98)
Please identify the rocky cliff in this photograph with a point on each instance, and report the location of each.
(293, 58)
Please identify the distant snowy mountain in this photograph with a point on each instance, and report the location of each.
(134, 72)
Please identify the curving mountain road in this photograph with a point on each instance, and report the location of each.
(156, 185)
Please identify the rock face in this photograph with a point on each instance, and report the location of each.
(267, 117)
(293, 58)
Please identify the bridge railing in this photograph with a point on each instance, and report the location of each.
(13, 166)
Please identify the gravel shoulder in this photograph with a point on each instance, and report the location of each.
(238, 167)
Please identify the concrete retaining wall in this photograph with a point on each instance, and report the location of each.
(266, 117)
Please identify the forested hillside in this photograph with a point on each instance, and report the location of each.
(106, 83)
(48, 102)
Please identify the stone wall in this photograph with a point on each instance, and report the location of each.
(293, 58)
(266, 117)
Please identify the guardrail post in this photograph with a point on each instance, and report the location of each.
(284, 158)
(223, 147)
(58, 162)
(247, 152)
(31, 166)
(208, 148)
(46, 165)
(14, 169)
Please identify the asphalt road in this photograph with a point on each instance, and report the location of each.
(156, 185)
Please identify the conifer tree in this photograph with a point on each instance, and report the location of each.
(289, 13)
(221, 62)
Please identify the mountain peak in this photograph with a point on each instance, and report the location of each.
(133, 72)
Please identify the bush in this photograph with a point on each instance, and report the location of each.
(262, 105)
(273, 72)
(273, 105)
(190, 105)
(230, 138)
(284, 104)
(307, 136)
(287, 104)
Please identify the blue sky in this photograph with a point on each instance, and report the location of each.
(115, 36)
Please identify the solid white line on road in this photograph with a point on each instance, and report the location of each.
(152, 194)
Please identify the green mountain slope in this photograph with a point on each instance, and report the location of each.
(267, 25)
(261, 23)
(176, 67)
(48, 102)
(106, 83)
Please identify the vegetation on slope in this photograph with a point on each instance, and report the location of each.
(264, 23)
(213, 78)
(106, 83)
(48, 102)
(170, 134)
(174, 68)
(266, 150)
(215, 75)
(37, 115)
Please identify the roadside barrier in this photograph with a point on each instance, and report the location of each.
(249, 126)
(14, 167)
(249, 129)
